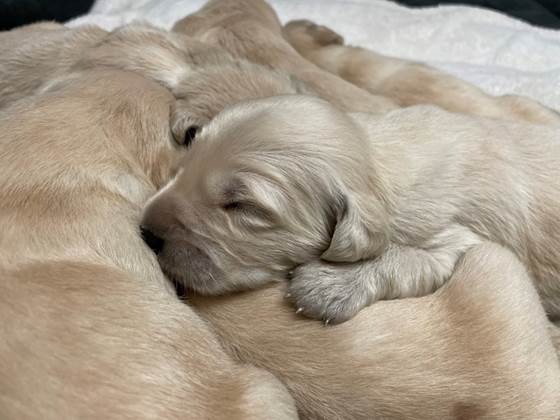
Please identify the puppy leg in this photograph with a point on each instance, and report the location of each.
(249, 29)
(405, 82)
(337, 292)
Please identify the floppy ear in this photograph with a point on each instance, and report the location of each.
(355, 236)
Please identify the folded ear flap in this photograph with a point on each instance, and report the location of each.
(356, 237)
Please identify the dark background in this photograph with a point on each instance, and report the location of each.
(19, 12)
(537, 12)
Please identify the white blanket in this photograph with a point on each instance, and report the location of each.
(497, 53)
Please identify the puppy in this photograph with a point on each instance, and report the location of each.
(93, 329)
(202, 78)
(407, 83)
(478, 348)
(315, 392)
(251, 30)
(33, 54)
(365, 207)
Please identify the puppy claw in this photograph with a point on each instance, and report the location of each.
(288, 295)
(299, 311)
(328, 292)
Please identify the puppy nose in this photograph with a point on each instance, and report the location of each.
(154, 242)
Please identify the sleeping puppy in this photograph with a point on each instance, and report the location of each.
(365, 207)
(250, 29)
(93, 329)
(203, 79)
(405, 82)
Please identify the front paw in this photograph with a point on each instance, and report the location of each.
(303, 32)
(333, 293)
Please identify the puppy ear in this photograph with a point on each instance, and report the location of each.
(355, 236)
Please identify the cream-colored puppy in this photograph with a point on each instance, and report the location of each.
(250, 29)
(202, 78)
(475, 349)
(92, 328)
(368, 207)
(318, 396)
(405, 82)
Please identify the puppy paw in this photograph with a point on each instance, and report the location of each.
(332, 293)
(306, 34)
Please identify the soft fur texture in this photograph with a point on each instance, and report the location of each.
(371, 211)
(333, 383)
(407, 83)
(250, 29)
(202, 78)
(475, 349)
(92, 329)
(332, 373)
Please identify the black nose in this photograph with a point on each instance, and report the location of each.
(153, 241)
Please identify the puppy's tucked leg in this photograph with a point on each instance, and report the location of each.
(335, 292)
(304, 35)
(405, 82)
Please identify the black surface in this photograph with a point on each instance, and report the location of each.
(20, 12)
(536, 12)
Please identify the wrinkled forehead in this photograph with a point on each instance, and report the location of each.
(266, 142)
(248, 127)
(230, 142)
(228, 176)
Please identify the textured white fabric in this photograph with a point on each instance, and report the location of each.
(491, 50)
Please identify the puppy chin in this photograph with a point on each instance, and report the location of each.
(189, 266)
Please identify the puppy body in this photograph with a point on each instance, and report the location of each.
(477, 348)
(407, 83)
(92, 328)
(32, 54)
(464, 179)
(373, 208)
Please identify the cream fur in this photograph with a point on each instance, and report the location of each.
(404, 82)
(250, 29)
(202, 78)
(92, 328)
(475, 349)
(283, 349)
(258, 327)
(373, 207)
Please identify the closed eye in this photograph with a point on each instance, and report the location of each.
(246, 208)
(233, 205)
(190, 134)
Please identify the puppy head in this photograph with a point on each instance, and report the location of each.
(267, 185)
(132, 113)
